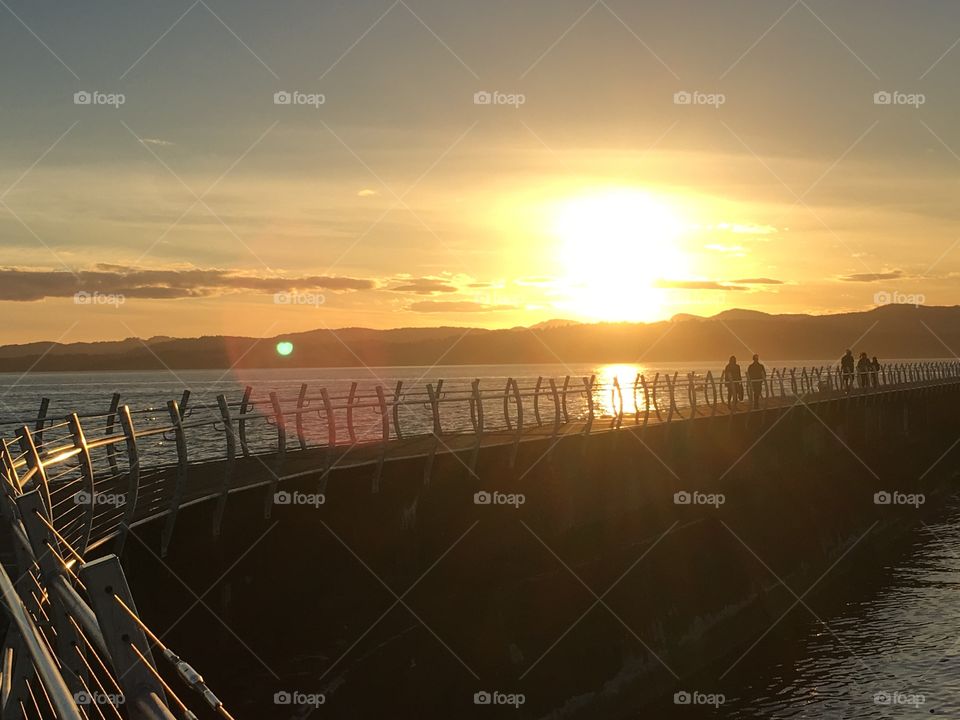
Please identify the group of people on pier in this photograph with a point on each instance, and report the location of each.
(864, 372)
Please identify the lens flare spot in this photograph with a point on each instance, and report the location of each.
(284, 347)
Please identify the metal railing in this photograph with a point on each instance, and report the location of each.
(71, 485)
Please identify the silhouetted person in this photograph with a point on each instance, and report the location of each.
(846, 370)
(875, 374)
(734, 379)
(756, 374)
(864, 369)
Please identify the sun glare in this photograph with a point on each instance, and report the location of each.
(614, 246)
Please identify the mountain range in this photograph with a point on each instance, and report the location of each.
(900, 331)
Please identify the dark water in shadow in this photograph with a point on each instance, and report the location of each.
(882, 642)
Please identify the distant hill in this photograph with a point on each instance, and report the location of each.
(889, 331)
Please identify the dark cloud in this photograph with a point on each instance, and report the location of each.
(433, 306)
(425, 286)
(758, 281)
(27, 285)
(697, 285)
(873, 277)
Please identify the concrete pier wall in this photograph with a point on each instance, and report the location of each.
(601, 591)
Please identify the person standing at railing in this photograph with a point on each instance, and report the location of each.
(875, 372)
(846, 370)
(734, 381)
(864, 371)
(756, 374)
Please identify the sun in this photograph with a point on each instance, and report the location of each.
(614, 245)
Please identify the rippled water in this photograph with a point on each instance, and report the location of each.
(891, 648)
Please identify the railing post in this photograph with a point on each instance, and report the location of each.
(350, 398)
(108, 431)
(692, 394)
(385, 431)
(616, 397)
(331, 434)
(281, 455)
(712, 399)
(301, 405)
(231, 441)
(434, 396)
(396, 409)
(563, 399)
(656, 407)
(181, 475)
(242, 420)
(516, 438)
(86, 470)
(476, 419)
(536, 401)
(32, 457)
(133, 476)
(588, 389)
(105, 582)
(557, 412)
(41, 418)
(671, 391)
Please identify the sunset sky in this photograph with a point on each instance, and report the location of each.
(587, 189)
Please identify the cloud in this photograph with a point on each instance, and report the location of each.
(758, 281)
(20, 285)
(696, 285)
(436, 306)
(873, 277)
(425, 286)
(156, 141)
(367, 192)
